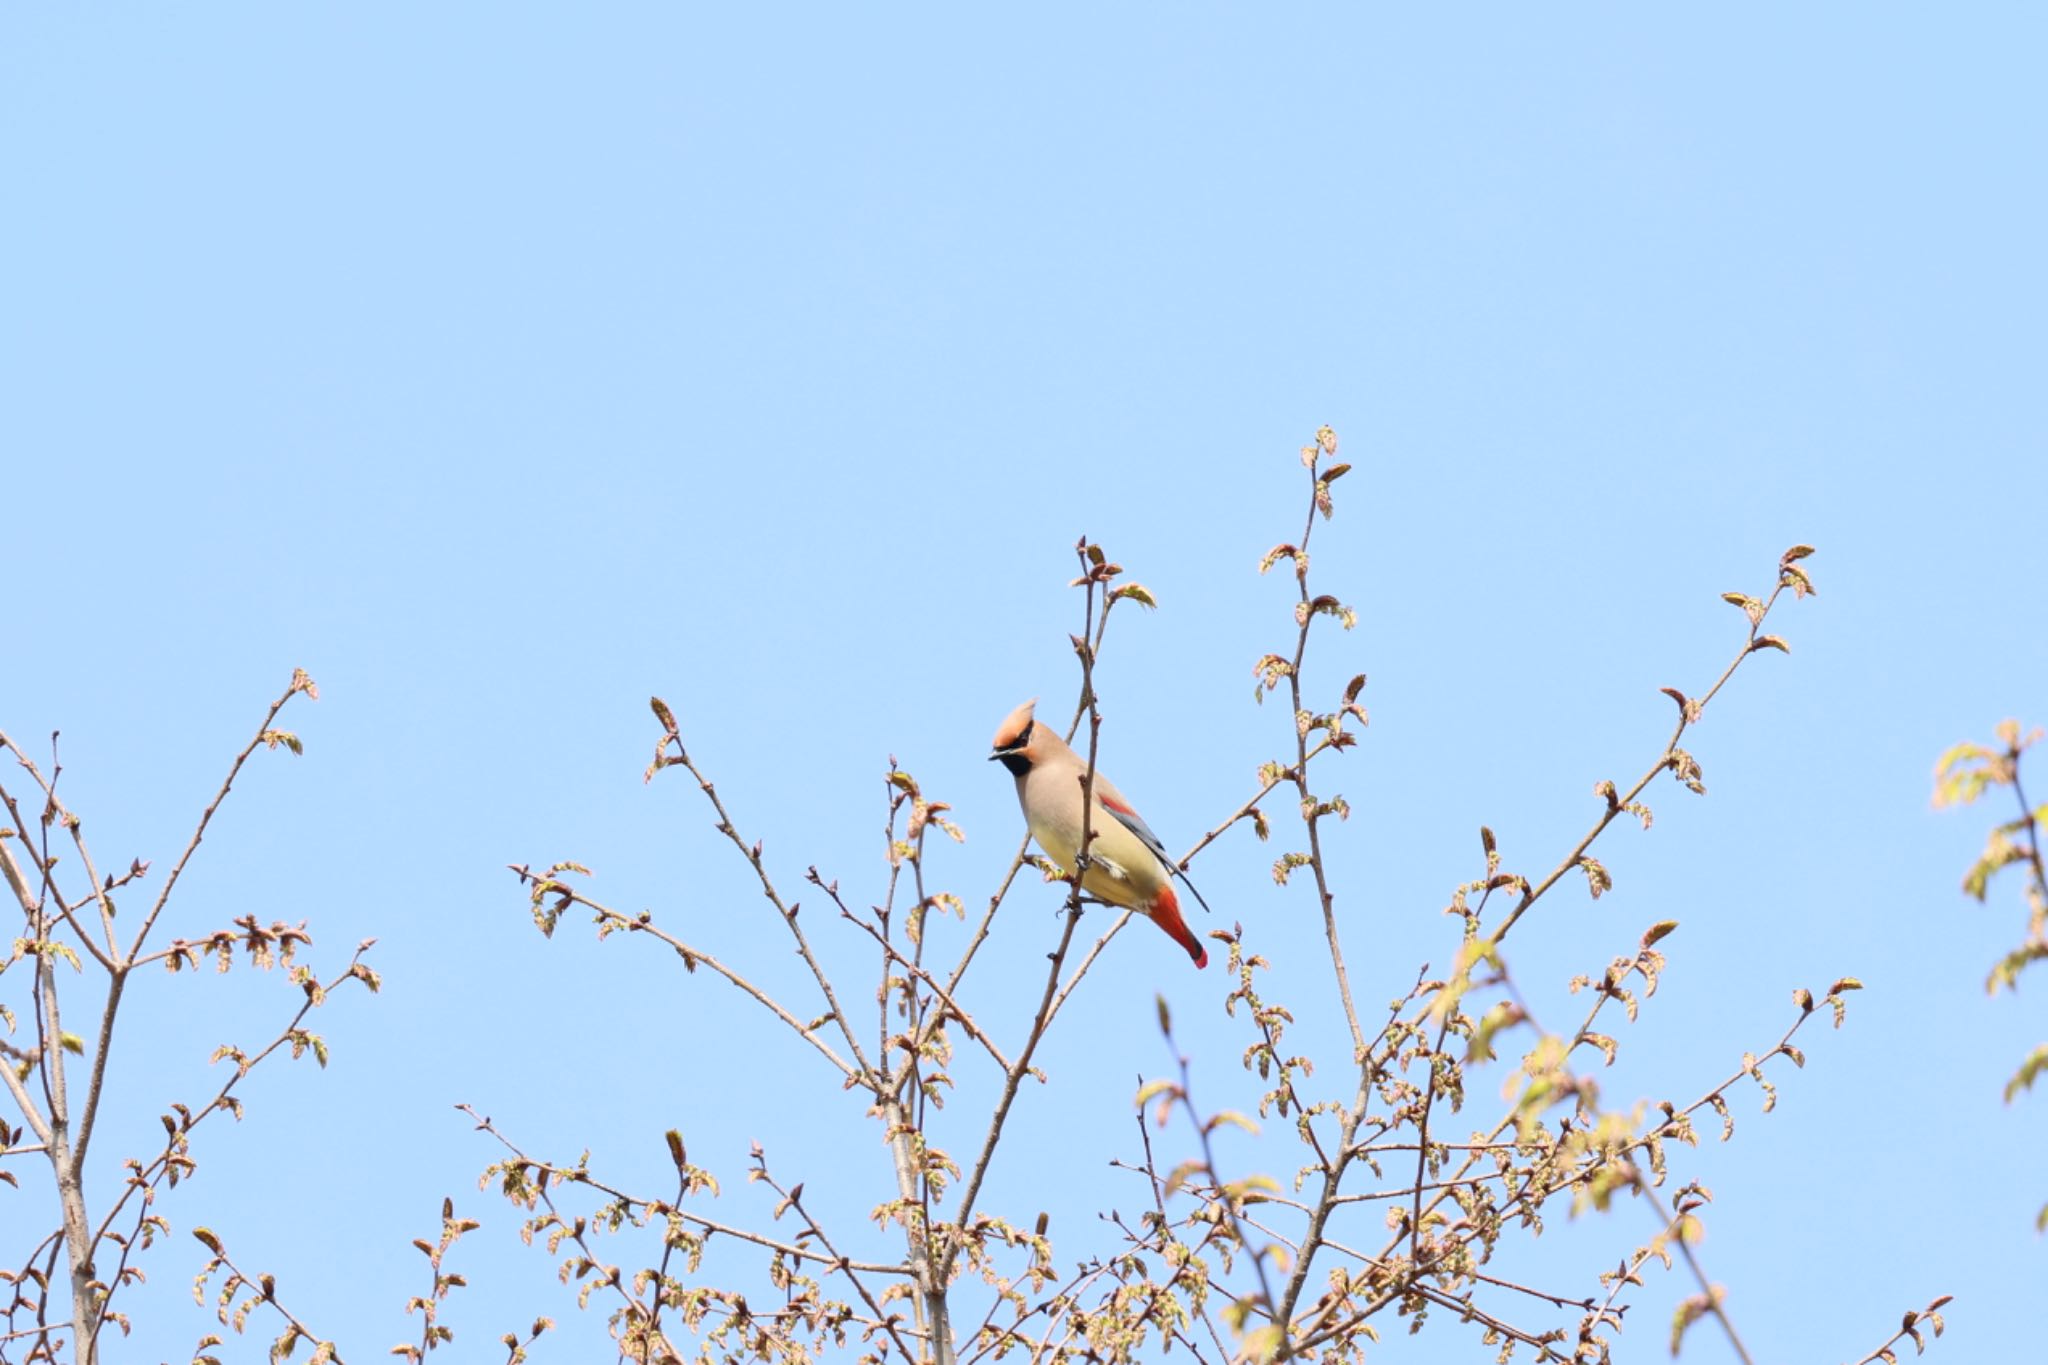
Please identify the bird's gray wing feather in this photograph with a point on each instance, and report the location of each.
(1135, 823)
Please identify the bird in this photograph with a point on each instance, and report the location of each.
(1128, 866)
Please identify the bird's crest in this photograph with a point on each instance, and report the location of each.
(1016, 728)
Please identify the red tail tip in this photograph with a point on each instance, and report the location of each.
(1165, 912)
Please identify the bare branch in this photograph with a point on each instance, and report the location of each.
(545, 885)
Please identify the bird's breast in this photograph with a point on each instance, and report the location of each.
(1121, 869)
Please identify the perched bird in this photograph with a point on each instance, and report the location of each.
(1128, 866)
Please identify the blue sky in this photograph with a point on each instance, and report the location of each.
(503, 365)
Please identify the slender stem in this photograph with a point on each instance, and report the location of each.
(299, 684)
(843, 1265)
(1229, 1205)
(1615, 807)
(803, 943)
(1675, 1231)
(565, 1175)
(2033, 828)
(1247, 808)
(952, 1010)
(1325, 898)
(1049, 998)
(693, 957)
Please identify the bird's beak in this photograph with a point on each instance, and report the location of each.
(1000, 753)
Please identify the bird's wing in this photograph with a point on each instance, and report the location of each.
(1113, 801)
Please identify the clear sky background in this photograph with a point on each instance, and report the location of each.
(502, 365)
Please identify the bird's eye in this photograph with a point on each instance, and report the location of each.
(1024, 735)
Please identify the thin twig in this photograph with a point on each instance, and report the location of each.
(952, 1009)
(692, 957)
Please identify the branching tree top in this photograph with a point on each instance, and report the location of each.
(1392, 1206)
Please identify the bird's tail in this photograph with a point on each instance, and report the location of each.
(1165, 912)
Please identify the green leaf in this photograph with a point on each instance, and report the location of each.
(2007, 972)
(1233, 1118)
(1958, 753)
(1326, 605)
(1503, 1015)
(1690, 1311)
(1152, 1090)
(1137, 592)
(1275, 555)
(1284, 866)
(1963, 772)
(1260, 1345)
(2030, 1069)
(1606, 1046)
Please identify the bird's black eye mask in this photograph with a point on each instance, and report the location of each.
(1023, 738)
(1013, 757)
